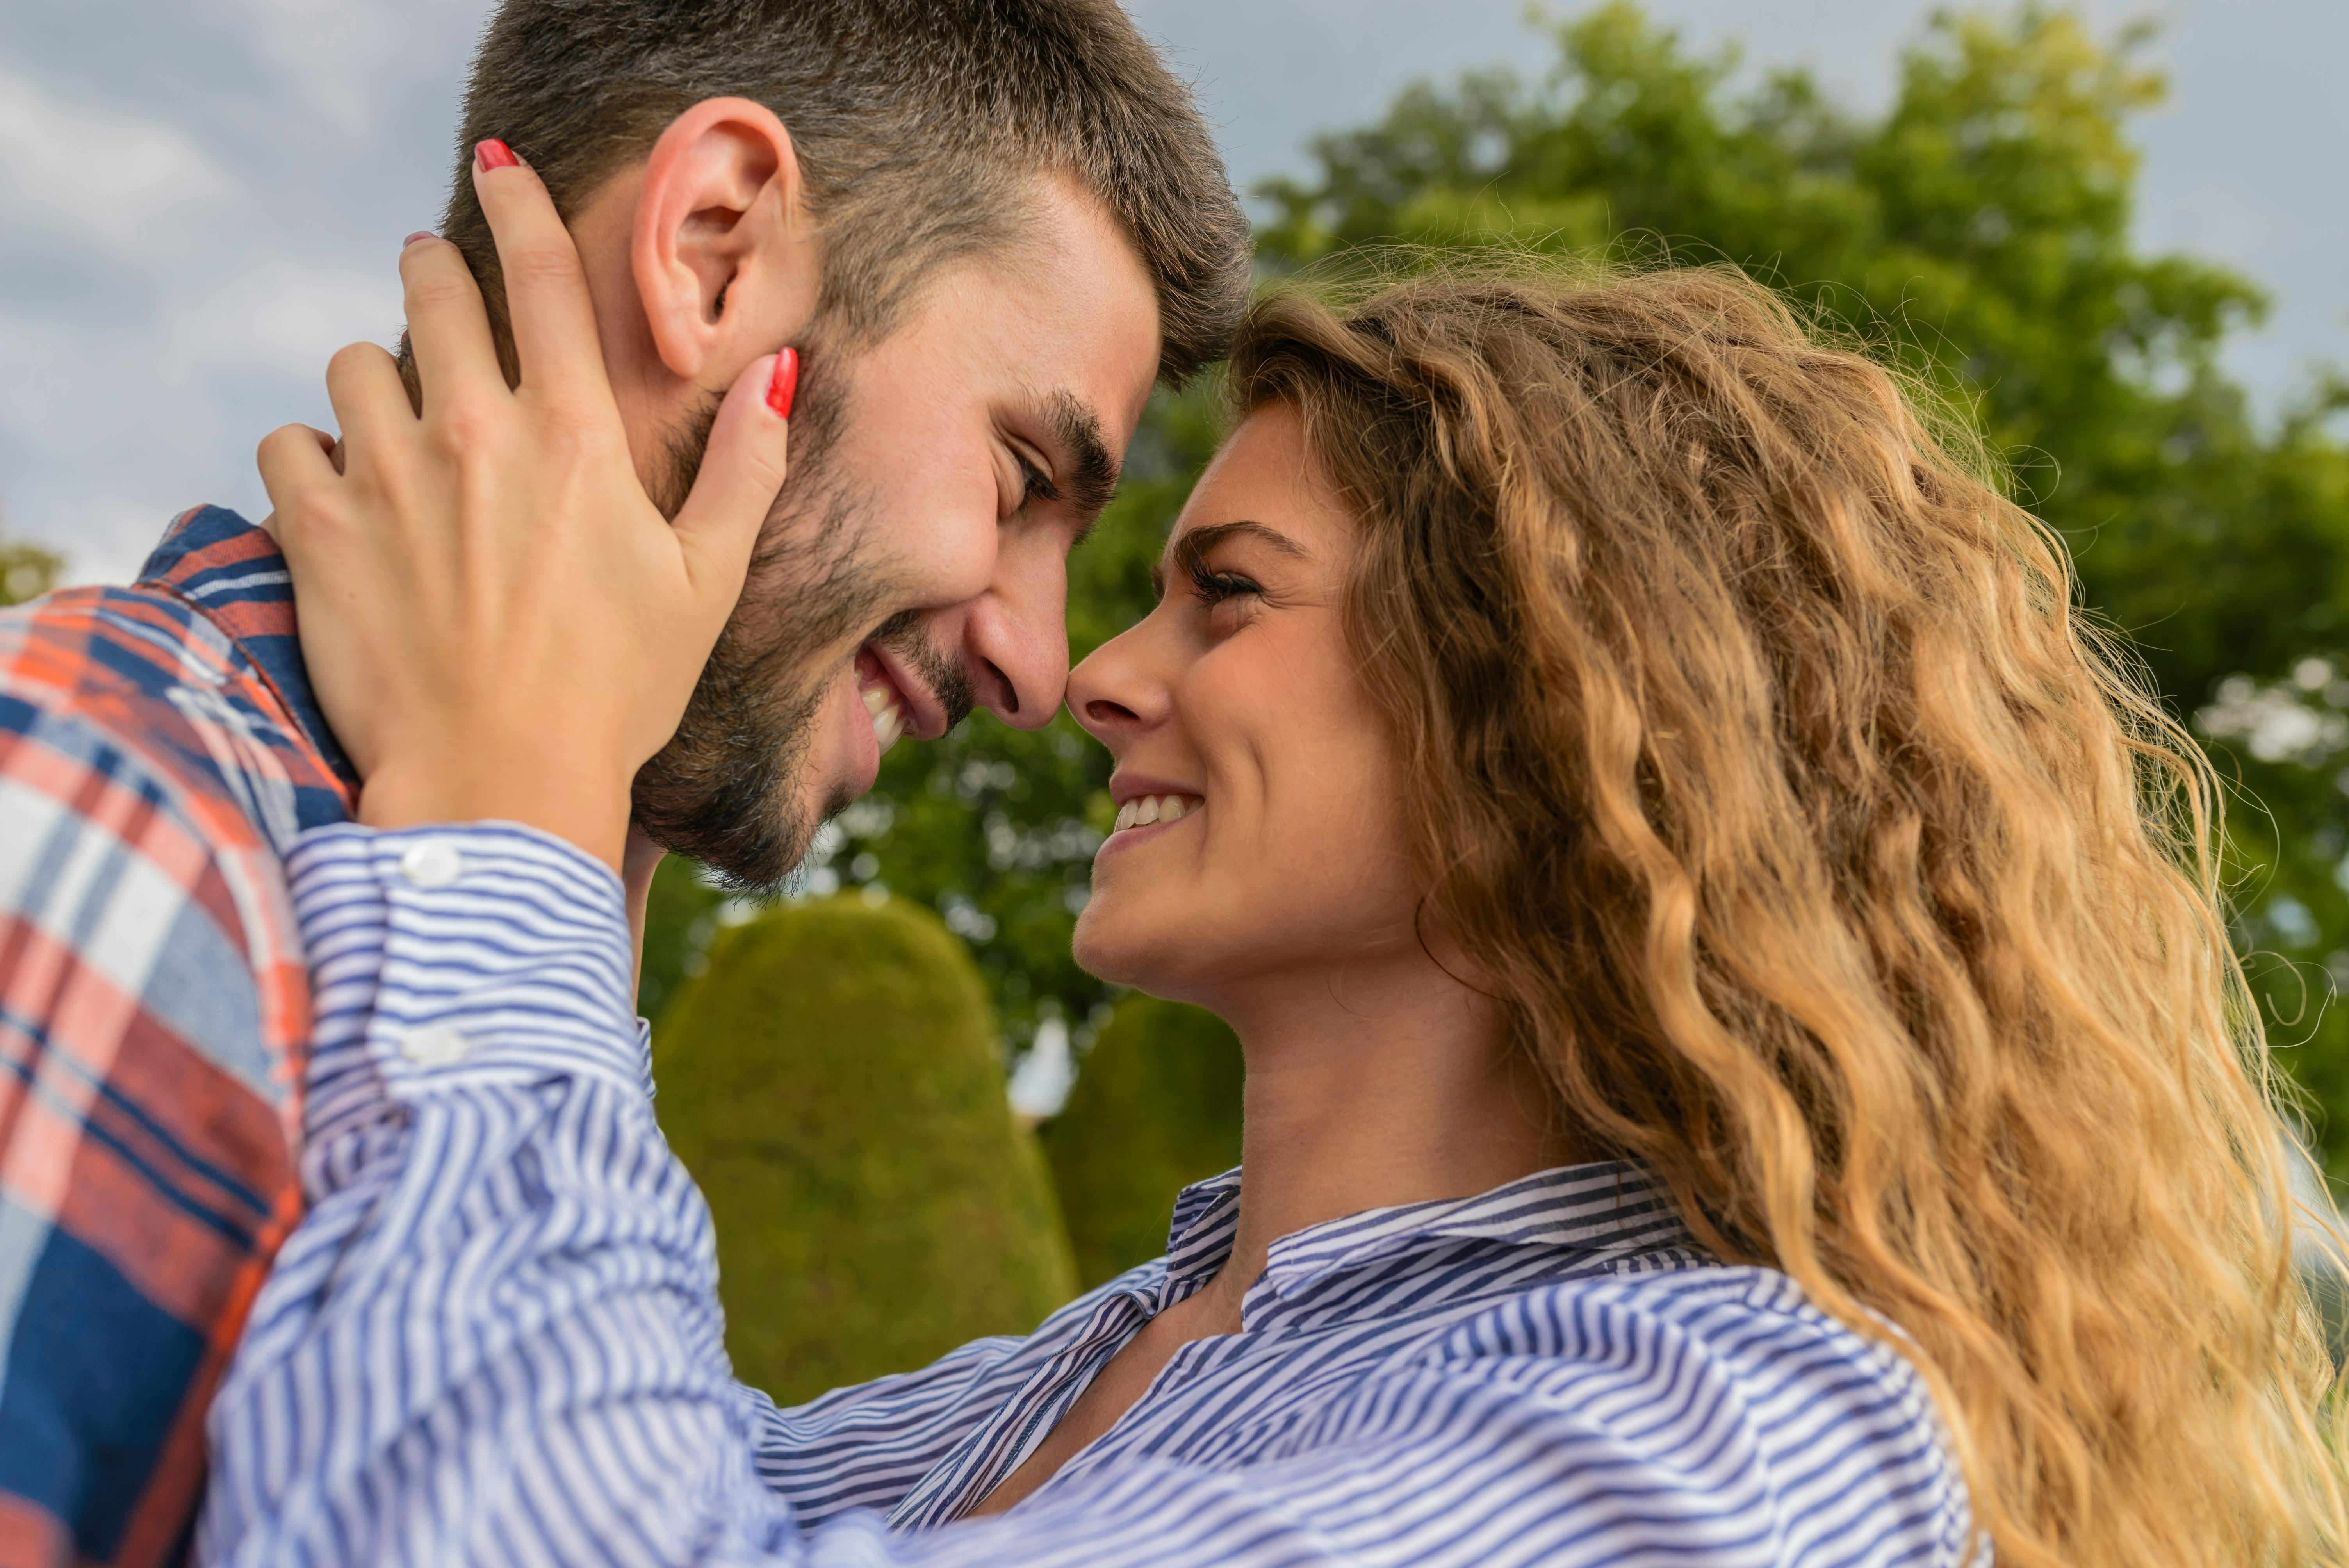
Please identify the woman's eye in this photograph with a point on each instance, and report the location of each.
(1216, 587)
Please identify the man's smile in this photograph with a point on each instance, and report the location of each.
(895, 698)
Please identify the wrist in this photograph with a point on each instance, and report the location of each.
(585, 805)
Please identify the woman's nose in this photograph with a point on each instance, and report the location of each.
(1110, 694)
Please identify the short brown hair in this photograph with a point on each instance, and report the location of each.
(1828, 864)
(917, 124)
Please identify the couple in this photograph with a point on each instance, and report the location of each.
(1743, 1061)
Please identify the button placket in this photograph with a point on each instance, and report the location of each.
(434, 1045)
(431, 863)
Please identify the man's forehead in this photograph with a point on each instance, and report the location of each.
(1075, 292)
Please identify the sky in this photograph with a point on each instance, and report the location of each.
(198, 203)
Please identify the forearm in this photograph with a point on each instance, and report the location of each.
(495, 1338)
(492, 1210)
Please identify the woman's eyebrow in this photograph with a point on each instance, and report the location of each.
(1189, 552)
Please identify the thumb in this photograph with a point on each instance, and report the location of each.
(741, 469)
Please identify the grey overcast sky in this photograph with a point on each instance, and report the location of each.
(200, 203)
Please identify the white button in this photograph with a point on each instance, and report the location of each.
(435, 862)
(435, 1045)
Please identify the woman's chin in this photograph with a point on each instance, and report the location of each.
(1096, 946)
(1127, 946)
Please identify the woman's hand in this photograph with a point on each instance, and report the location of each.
(497, 621)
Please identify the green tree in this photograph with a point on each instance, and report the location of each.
(1977, 235)
(832, 1083)
(26, 572)
(1976, 232)
(1157, 1108)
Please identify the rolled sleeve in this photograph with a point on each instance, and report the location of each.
(448, 958)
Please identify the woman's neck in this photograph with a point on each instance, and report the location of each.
(1370, 1086)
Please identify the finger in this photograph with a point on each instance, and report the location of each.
(296, 466)
(371, 404)
(546, 289)
(742, 470)
(447, 326)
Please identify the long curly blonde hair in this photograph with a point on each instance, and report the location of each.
(1831, 864)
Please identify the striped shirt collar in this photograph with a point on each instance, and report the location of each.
(233, 574)
(1601, 1208)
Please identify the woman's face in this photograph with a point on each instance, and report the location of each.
(1260, 827)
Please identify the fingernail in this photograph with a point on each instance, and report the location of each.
(494, 154)
(784, 385)
(420, 234)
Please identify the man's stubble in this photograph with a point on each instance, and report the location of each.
(729, 787)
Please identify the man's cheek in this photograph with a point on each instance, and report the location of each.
(962, 559)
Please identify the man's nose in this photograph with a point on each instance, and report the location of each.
(1016, 652)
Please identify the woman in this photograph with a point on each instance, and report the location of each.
(1744, 1060)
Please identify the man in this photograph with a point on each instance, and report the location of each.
(986, 228)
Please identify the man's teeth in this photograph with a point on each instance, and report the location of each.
(889, 716)
(1145, 810)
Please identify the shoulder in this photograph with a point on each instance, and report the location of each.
(138, 680)
(1722, 1398)
(96, 643)
(873, 1444)
(151, 1001)
(145, 785)
(972, 1380)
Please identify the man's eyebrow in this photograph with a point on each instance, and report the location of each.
(1189, 552)
(1092, 476)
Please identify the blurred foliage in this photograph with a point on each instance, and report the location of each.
(1156, 1109)
(833, 1086)
(26, 572)
(1977, 234)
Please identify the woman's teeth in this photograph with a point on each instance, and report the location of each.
(1145, 810)
(889, 716)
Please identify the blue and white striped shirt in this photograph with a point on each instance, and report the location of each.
(496, 1339)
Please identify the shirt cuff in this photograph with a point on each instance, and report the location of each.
(460, 956)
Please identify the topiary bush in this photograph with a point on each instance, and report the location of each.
(833, 1082)
(1156, 1106)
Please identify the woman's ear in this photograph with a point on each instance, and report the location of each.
(723, 253)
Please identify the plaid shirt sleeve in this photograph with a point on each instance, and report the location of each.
(153, 1003)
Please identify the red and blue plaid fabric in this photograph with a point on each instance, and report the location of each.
(159, 750)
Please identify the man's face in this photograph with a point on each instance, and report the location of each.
(915, 566)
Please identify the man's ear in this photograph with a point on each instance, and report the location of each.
(723, 253)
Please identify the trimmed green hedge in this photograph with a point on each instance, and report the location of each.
(831, 1081)
(1156, 1106)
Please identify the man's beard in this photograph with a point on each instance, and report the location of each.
(727, 789)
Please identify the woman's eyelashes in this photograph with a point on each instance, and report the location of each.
(1216, 587)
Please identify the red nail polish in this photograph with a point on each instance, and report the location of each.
(420, 234)
(494, 154)
(784, 385)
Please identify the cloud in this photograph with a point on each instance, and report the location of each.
(282, 318)
(96, 174)
(203, 201)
